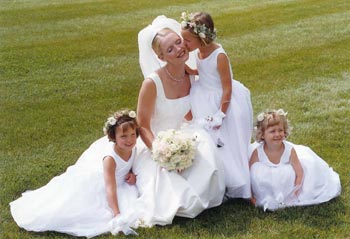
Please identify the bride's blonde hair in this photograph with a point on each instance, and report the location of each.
(157, 40)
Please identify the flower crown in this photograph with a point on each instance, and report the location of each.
(114, 120)
(201, 30)
(267, 115)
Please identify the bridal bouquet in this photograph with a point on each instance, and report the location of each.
(174, 149)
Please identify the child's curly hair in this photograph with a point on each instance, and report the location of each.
(124, 118)
(271, 118)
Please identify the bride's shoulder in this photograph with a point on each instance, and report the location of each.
(154, 76)
(149, 86)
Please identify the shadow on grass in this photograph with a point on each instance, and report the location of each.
(232, 220)
(234, 217)
(229, 219)
(321, 216)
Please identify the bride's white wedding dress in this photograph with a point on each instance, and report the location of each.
(166, 194)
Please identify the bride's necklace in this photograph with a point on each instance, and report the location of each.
(174, 78)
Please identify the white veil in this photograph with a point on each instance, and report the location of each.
(149, 61)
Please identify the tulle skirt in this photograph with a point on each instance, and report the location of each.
(168, 194)
(273, 187)
(235, 132)
(74, 202)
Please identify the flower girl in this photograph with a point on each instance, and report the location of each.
(94, 195)
(284, 174)
(219, 103)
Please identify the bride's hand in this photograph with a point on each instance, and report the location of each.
(180, 170)
(216, 127)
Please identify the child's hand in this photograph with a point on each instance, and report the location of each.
(180, 170)
(190, 71)
(130, 178)
(298, 189)
(217, 119)
(253, 200)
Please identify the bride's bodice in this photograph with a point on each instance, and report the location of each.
(168, 113)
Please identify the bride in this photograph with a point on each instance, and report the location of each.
(164, 103)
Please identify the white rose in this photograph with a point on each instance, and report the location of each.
(281, 112)
(111, 120)
(261, 117)
(201, 35)
(132, 114)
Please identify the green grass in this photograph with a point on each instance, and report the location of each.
(65, 65)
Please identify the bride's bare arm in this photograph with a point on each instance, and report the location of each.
(145, 109)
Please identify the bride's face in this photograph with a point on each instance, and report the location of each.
(173, 48)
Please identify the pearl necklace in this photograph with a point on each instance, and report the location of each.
(172, 77)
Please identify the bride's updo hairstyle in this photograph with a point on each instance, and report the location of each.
(156, 43)
(125, 119)
(271, 118)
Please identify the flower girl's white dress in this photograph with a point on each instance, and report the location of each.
(167, 194)
(236, 129)
(75, 202)
(273, 184)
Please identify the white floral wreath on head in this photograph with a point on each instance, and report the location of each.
(263, 115)
(112, 120)
(200, 29)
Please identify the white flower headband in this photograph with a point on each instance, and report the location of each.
(267, 115)
(200, 29)
(112, 120)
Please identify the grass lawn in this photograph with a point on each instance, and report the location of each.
(65, 65)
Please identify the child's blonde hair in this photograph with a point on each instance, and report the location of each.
(271, 118)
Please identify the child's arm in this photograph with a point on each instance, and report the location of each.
(299, 172)
(190, 71)
(130, 178)
(253, 159)
(226, 81)
(109, 167)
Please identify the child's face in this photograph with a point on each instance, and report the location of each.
(125, 140)
(191, 41)
(274, 135)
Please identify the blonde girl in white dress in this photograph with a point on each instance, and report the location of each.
(95, 195)
(219, 103)
(284, 174)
